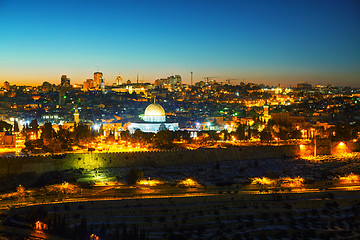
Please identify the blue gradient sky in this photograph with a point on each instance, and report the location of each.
(269, 42)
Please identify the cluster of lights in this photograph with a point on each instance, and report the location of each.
(341, 149)
(350, 179)
(188, 183)
(149, 182)
(94, 237)
(40, 226)
(262, 181)
(297, 182)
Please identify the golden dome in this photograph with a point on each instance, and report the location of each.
(154, 109)
(154, 113)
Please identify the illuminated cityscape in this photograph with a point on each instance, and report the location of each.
(208, 125)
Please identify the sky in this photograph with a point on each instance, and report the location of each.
(270, 42)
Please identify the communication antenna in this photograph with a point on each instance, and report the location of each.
(191, 78)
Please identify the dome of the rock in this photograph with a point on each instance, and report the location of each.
(154, 113)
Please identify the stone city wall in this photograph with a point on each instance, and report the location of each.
(47, 163)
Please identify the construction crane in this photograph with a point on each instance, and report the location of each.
(207, 79)
(232, 79)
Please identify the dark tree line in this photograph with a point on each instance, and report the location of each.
(163, 139)
(55, 141)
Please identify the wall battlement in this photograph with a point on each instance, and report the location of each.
(58, 162)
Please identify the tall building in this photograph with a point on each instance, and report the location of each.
(98, 78)
(65, 81)
(265, 116)
(172, 80)
(102, 87)
(175, 80)
(88, 84)
(6, 85)
(304, 86)
(118, 80)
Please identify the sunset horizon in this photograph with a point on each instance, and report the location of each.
(279, 43)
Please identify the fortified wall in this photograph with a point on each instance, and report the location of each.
(41, 164)
(46, 163)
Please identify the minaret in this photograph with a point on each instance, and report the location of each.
(76, 116)
(266, 111)
(266, 116)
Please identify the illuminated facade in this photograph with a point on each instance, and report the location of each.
(265, 117)
(76, 116)
(7, 140)
(118, 80)
(98, 78)
(88, 84)
(155, 120)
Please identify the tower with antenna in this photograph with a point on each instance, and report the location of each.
(118, 80)
(191, 79)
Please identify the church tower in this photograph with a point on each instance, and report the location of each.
(76, 116)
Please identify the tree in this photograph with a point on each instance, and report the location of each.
(63, 135)
(185, 135)
(29, 145)
(32, 145)
(82, 132)
(344, 133)
(138, 135)
(4, 126)
(240, 132)
(34, 125)
(110, 137)
(249, 133)
(134, 175)
(211, 135)
(47, 132)
(164, 139)
(125, 135)
(266, 136)
(296, 134)
(226, 135)
(16, 126)
(283, 133)
(54, 145)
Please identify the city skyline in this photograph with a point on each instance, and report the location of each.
(279, 43)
